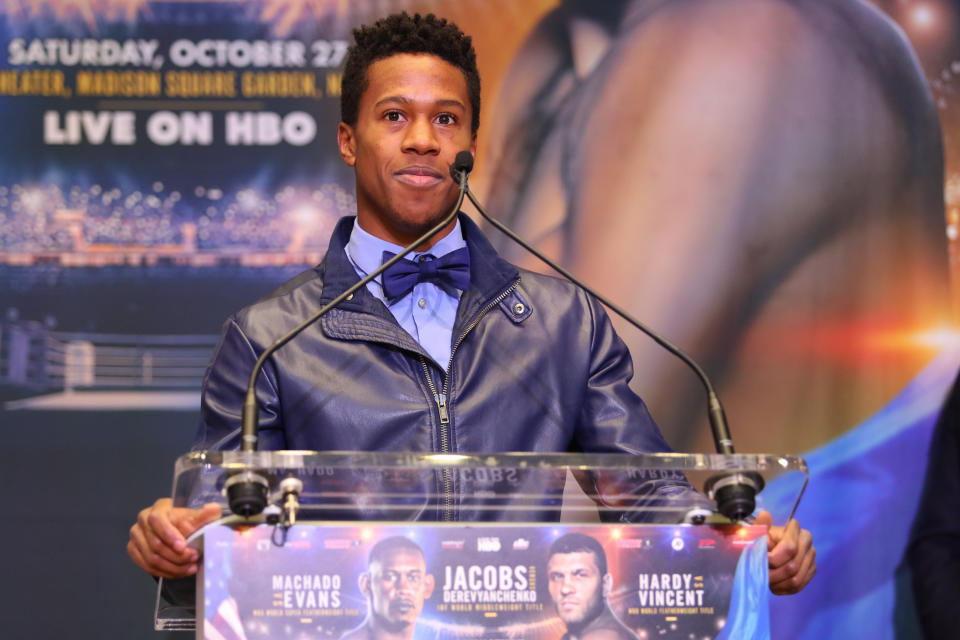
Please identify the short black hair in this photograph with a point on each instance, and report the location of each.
(388, 546)
(579, 542)
(403, 33)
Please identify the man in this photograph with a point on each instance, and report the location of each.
(396, 585)
(508, 361)
(579, 586)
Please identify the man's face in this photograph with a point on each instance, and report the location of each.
(412, 120)
(396, 589)
(576, 586)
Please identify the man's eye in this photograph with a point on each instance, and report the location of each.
(446, 118)
(393, 116)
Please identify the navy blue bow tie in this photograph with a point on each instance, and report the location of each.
(449, 272)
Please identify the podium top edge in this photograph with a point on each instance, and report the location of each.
(513, 460)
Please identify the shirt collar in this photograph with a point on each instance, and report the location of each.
(366, 250)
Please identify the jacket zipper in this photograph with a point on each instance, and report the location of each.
(441, 399)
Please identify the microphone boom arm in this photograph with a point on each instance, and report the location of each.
(718, 419)
(247, 492)
(250, 418)
(734, 492)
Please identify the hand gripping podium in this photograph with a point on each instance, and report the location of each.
(545, 546)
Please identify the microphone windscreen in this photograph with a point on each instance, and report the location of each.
(463, 162)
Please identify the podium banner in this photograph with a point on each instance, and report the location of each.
(455, 581)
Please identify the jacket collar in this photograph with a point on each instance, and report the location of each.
(337, 273)
(490, 274)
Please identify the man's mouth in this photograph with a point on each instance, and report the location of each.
(419, 176)
(403, 606)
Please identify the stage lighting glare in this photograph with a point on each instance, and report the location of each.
(447, 457)
(933, 339)
(923, 16)
(305, 215)
(939, 338)
(32, 200)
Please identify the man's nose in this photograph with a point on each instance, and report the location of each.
(566, 587)
(420, 137)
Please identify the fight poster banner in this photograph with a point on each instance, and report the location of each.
(198, 134)
(494, 582)
(151, 153)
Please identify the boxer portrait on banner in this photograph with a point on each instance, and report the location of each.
(396, 584)
(580, 583)
(459, 352)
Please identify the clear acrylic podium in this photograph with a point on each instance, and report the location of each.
(681, 568)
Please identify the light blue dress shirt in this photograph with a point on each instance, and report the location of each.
(428, 312)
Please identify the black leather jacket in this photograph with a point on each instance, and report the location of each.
(536, 367)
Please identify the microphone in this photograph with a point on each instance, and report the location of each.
(461, 167)
(248, 490)
(734, 492)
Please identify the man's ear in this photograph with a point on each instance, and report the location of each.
(473, 145)
(364, 583)
(607, 585)
(347, 143)
(428, 586)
